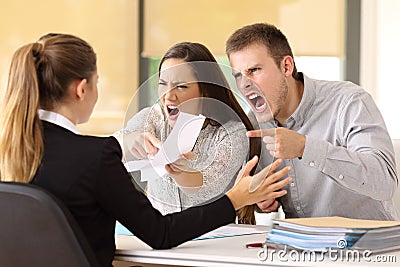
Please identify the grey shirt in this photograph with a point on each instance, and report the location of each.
(348, 166)
(220, 152)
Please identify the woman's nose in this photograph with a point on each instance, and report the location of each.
(170, 93)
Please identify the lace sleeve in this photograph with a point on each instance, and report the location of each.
(148, 119)
(220, 156)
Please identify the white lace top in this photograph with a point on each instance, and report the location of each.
(220, 154)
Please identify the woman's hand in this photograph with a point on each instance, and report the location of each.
(142, 145)
(188, 179)
(240, 194)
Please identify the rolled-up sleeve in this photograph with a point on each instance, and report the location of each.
(363, 161)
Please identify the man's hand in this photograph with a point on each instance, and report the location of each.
(269, 205)
(281, 143)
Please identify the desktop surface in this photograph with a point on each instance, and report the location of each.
(232, 251)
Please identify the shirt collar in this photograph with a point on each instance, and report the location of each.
(307, 100)
(57, 119)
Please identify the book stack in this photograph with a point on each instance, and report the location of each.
(323, 233)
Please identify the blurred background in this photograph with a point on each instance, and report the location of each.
(354, 40)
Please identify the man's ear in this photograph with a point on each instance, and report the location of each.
(80, 89)
(287, 65)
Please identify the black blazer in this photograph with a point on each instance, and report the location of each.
(87, 174)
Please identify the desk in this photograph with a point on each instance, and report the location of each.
(229, 251)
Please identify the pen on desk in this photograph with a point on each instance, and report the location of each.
(254, 245)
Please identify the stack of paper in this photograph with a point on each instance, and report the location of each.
(320, 234)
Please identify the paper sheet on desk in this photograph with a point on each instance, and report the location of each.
(223, 231)
(230, 230)
(181, 140)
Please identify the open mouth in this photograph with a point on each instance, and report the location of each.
(258, 102)
(173, 111)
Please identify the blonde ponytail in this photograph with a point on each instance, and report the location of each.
(21, 140)
(40, 75)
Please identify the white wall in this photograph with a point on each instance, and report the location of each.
(380, 56)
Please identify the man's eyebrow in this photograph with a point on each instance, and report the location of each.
(236, 73)
(253, 66)
(248, 69)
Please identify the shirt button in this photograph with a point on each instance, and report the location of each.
(312, 163)
(292, 184)
(298, 208)
(341, 176)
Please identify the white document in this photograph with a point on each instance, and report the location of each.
(230, 230)
(180, 141)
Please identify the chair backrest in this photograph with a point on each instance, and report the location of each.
(36, 229)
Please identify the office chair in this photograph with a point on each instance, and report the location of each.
(36, 229)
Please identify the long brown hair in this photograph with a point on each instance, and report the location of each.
(216, 88)
(39, 76)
